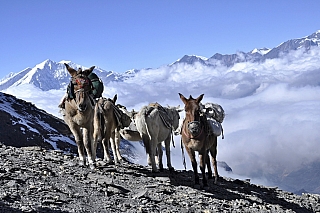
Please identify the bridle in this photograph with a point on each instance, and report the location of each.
(195, 122)
(84, 87)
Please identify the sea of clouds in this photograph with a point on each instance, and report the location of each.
(272, 109)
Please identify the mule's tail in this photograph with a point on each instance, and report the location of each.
(143, 128)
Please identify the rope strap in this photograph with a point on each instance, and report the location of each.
(183, 157)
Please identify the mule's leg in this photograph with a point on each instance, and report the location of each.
(94, 144)
(117, 141)
(148, 159)
(167, 146)
(156, 157)
(146, 142)
(78, 138)
(192, 156)
(106, 153)
(159, 153)
(82, 157)
(97, 134)
(153, 150)
(96, 139)
(213, 153)
(203, 158)
(208, 166)
(114, 148)
(87, 144)
(150, 150)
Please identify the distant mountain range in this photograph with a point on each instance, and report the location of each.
(256, 55)
(53, 75)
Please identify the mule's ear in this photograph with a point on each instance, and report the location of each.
(115, 98)
(178, 108)
(88, 71)
(184, 100)
(72, 71)
(100, 108)
(79, 71)
(198, 100)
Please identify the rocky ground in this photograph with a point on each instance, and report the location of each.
(33, 179)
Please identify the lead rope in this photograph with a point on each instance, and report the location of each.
(183, 157)
(172, 138)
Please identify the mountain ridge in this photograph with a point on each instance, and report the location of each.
(55, 75)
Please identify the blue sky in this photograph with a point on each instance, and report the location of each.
(122, 35)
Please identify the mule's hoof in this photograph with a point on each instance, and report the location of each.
(216, 180)
(171, 169)
(107, 161)
(206, 187)
(196, 181)
(197, 186)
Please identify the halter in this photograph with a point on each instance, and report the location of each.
(193, 137)
(82, 82)
(196, 122)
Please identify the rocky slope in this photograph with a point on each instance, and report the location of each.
(33, 179)
(23, 124)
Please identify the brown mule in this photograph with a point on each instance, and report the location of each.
(79, 113)
(195, 138)
(107, 126)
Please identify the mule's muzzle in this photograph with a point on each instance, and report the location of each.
(194, 128)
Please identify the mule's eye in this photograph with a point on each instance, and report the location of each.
(82, 81)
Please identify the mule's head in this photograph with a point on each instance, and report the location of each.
(174, 114)
(193, 111)
(105, 104)
(82, 86)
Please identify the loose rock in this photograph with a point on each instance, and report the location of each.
(36, 180)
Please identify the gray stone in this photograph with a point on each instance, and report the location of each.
(36, 180)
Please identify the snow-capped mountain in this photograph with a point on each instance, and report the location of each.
(52, 75)
(256, 55)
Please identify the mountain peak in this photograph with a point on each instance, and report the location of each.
(261, 51)
(64, 62)
(43, 64)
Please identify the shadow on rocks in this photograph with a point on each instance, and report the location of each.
(226, 189)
